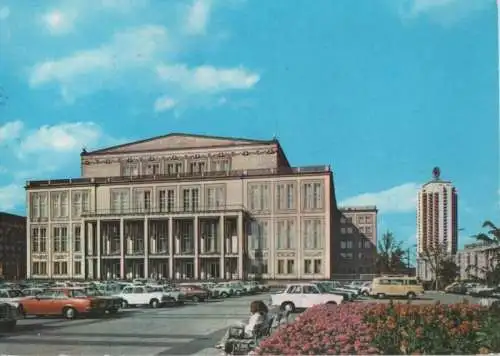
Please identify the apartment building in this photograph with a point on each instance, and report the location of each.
(355, 250)
(12, 246)
(183, 206)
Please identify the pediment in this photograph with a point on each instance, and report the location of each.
(177, 142)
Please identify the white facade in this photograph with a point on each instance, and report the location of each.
(437, 223)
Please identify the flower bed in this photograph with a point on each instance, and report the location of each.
(372, 328)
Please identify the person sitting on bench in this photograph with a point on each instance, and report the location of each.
(258, 316)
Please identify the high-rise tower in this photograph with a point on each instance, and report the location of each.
(437, 215)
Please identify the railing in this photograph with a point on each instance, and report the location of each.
(165, 211)
(185, 175)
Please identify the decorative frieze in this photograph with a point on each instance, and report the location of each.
(286, 254)
(313, 253)
(39, 256)
(175, 157)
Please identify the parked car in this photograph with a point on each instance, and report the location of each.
(303, 295)
(327, 286)
(32, 291)
(114, 303)
(68, 302)
(177, 296)
(456, 288)
(365, 289)
(225, 290)
(194, 292)
(390, 286)
(259, 287)
(133, 295)
(8, 317)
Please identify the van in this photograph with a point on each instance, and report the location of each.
(396, 286)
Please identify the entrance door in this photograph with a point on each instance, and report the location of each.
(214, 269)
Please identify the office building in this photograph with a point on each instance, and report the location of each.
(12, 246)
(183, 206)
(476, 260)
(355, 250)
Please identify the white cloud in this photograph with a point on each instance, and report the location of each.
(207, 78)
(11, 196)
(444, 12)
(399, 199)
(164, 103)
(4, 13)
(10, 131)
(88, 70)
(59, 22)
(198, 17)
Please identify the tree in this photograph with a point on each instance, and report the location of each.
(490, 238)
(390, 254)
(440, 263)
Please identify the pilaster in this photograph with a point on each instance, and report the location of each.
(170, 248)
(122, 249)
(222, 245)
(146, 247)
(196, 230)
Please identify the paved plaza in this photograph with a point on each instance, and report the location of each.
(187, 330)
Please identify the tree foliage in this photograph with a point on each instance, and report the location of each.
(441, 264)
(390, 254)
(490, 272)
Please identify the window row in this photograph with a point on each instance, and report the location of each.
(286, 234)
(168, 199)
(360, 256)
(348, 244)
(59, 268)
(360, 229)
(312, 196)
(61, 206)
(161, 167)
(61, 237)
(287, 266)
(360, 219)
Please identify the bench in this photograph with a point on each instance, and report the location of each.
(238, 343)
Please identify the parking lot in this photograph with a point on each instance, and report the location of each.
(186, 330)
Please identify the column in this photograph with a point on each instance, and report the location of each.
(170, 248)
(99, 242)
(146, 247)
(196, 230)
(240, 245)
(28, 249)
(222, 266)
(84, 252)
(122, 250)
(90, 260)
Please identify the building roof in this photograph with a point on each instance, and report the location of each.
(171, 142)
(360, 208)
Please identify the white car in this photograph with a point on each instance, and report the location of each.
(143, 295)
(365, 289)
(177, 296)
(12, 296)
(302, 296)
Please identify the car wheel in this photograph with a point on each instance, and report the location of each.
(331, 303)
(69, 313)
(288, 306)
(411, 295)
(21, 312)
(124, 304)
(380, 295)
(113, 310)
(196, 299)
(154, 303)
(224, 295)
(365, 294)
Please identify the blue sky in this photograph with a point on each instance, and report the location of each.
(382, 90)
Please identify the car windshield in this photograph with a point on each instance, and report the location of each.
(77, 293)
(92, 292)
(14, 293)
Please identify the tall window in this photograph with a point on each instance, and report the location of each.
(77, 238)
(80, 203)
(285, 231)
(120, 201)
(312, 196)
(39, 268)
(313, 233)
(130, 169)
(285, 196)
(209, 235)
(215, 197)
(77, 268)
(197, 167)
(60, 239)
(60, 268)
(151, 168)
(220, 165)
(173, 168)
(38, 205)
(59, 204)
(142, 200)
(260, 233)
(166, 199)
(259, 197)
(191, 199)
(35, 240)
